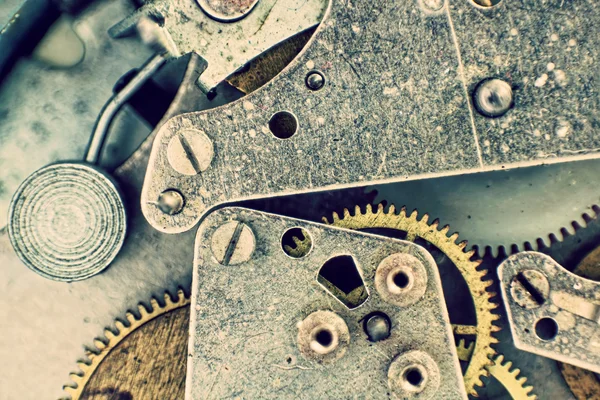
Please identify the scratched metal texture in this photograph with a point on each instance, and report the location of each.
(572, 303)
(244, 317)
(396, 105)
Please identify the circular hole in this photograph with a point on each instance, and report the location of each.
(283, 124)
(413, 376)
(546, 328)
(402, 280)
(296, 242)
(487, 3)
(324, 337)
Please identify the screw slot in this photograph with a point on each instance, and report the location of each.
(283, 124)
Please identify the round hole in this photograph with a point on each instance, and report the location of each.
(324, 337)
(546, 328)
(487, 3)
(296, 242)
(413, 376)
(401, 280)
(283, 124)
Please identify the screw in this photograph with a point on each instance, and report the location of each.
(529, 289)
(493, 97)
(413, 375)
(315, 80)
(431, 6)
(170, 202)
(401, 279)
(233, 243)
(190, 152)
(377, 326)
(323, 336)
(227, 10)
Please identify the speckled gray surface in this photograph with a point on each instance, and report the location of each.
(572, 304)
(396, 104)
(244, 318)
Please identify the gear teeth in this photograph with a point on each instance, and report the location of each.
(469, 268)
(103, 346)
(510, 379)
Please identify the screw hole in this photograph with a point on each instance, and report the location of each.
(402, 280)
(414, 377)
(546, 328)
(283, 124)
(324, 337)
(296, 242)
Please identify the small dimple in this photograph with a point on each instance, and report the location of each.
(80, 107)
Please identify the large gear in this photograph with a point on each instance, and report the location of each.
(475, 279)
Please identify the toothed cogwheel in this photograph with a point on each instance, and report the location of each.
(482, 299)
(501, 371)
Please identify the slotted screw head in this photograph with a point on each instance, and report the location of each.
(190, 152)
(529, 289)
(233, 243)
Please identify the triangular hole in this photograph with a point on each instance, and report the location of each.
(341, 278)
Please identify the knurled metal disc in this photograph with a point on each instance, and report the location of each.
(67, 221)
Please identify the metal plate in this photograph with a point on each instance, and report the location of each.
(551, 311)
(226, 46)
(396, 104)
(243, 330)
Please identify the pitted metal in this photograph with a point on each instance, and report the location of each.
(564, 323)
(255, 326)
(397, 104)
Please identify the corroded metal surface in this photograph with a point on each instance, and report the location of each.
(226, 46)
(244, 324)
(399, 83)
(564, 326)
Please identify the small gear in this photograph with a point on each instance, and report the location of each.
(475, 279)
(501, 371)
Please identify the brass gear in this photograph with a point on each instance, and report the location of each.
(501, 371)
(92, 383)
(482, 299)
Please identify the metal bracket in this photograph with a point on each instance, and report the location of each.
(267, 320)
(551, 311)
(199, 26)
(406, 94)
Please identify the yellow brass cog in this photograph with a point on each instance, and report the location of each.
(420, 228)
(501, 371)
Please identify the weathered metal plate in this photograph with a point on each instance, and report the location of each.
(397, 104)
(243, 333)
(556, 317)
(227, 46)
